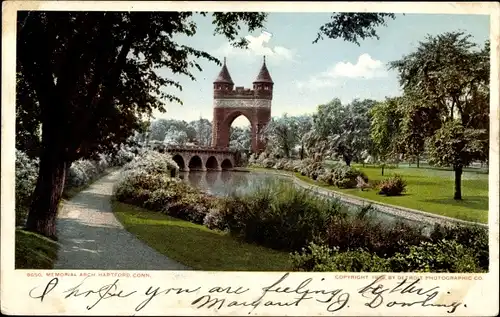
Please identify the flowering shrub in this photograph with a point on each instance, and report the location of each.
(214, 220)
(342, 176)
(280, 164)
(83, 172)
(153, 162)
(150, 181)
(393, 186)
(312, 169)
(268, 162)
(443, 256)
(26, 176)
(124, 155)
(252, 159)
(322, 259)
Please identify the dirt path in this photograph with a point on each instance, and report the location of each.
(92, 238)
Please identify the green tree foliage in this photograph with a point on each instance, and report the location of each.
(240, 138)
(343, 130)
(203, 131)
(89, 79)
(419, 121)
(448, 75)
(304, 125)
(385, 129)
(353, 26)
(282, 135)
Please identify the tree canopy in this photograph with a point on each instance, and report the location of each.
(343, 129)
(385, 129)
(446, 84)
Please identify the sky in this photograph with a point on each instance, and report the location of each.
(306, 75)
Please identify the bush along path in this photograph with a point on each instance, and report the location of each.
(92, 238)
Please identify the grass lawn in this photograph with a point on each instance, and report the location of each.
(195, 245)
(34, 251)
(430, 190)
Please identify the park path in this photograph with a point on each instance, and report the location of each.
(92, 238)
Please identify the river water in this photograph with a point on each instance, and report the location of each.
(228, 182)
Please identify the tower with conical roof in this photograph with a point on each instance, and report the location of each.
(263, 84)
(231, 102)
(223, 83)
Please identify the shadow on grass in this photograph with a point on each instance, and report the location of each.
(421, 183)
(473, 202)
(34, 251)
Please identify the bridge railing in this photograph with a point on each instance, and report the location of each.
(198, 148)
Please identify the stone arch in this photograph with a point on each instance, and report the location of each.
(226, 164)
(212, 163)
(258, 117)
(180, 161)
(195, 163)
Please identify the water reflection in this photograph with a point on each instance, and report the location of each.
(229, 182)
(226, 182)
(195, 178)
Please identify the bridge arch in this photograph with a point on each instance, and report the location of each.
(195, 163)
(180, 161)
(226, 164)
(212, 163)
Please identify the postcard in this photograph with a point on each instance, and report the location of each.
(176, 158)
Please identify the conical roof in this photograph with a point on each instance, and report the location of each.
(263, 76)
(224, 76)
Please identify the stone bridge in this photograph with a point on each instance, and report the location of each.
(193, 158)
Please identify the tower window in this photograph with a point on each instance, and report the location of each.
(266, 88)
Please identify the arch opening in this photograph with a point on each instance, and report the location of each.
(226, 164)
(180, 161)
(212, 163)
(240, 132)
(195, 163)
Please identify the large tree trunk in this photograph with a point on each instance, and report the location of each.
(347, 160)
(418, 161)
(458, 183)
(47, 195)
(383, 166)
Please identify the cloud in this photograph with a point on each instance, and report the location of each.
(365, 68)
(258, 46)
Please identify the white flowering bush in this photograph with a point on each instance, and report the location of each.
(214, 220)
(150, 181)
(252, 159)
(262, 156)
(83, 172)
(124, 155)
(26, 176)
(268, 162)
(280, 164)
(153, 162)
